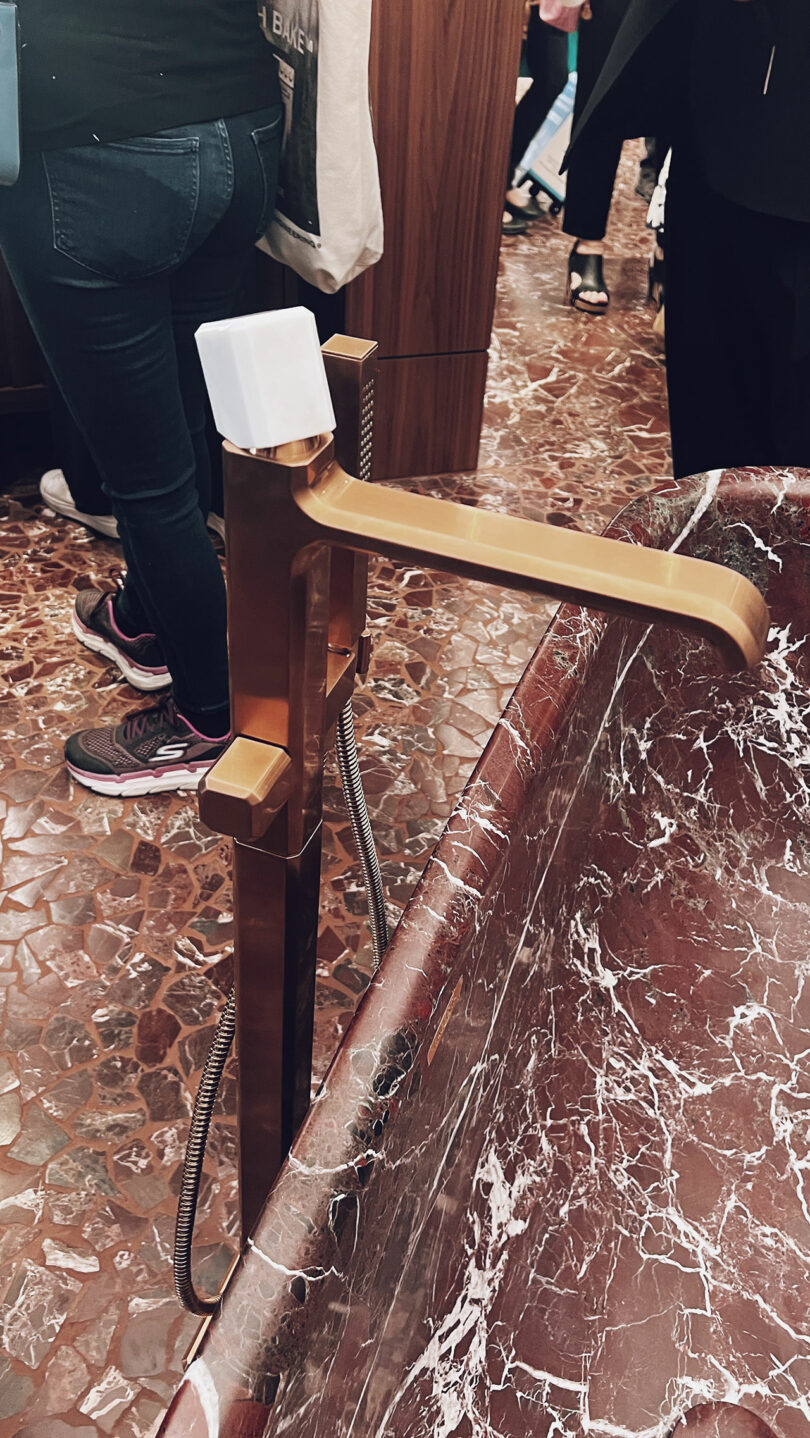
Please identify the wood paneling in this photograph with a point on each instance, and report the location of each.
(443, 91)
(427, 416)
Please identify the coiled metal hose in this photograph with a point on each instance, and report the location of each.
(349, 767)
(195, 1154)
(346, 746)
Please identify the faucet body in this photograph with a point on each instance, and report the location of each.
(296, 621)
(299, 529)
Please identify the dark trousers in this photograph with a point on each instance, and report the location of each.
(73, 457)
(737, 330)
(547, 59)
(593, 165)
(119, 252)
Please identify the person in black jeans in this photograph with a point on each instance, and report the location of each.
(546, 52)
(593, 164)
(151, 136)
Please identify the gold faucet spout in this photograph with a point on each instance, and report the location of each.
(299, 528)
(691, 594)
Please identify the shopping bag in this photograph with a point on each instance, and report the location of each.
(328, 224)
(546, 151)
(562, 14)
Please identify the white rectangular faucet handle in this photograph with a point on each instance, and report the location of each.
(266, 378)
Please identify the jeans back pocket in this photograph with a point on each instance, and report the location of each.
(125, 209)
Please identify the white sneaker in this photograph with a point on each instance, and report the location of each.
(54, 490)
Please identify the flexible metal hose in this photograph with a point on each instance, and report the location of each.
(195, 1153)
(223, 1038)
(361, 829)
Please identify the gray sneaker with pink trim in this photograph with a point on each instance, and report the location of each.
(152, 751)
(140, 659)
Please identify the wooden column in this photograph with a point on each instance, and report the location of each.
(443, 76)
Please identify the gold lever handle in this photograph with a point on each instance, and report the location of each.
(245, 789)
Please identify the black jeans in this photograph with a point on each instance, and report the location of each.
(72, 456)
(547, 59)
(592, 171)
(120, 251)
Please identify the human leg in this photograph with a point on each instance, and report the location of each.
(101, 309)
(588, 197)
(111, 339)
(164, 748)
(784, 303)
(212, 283)
(737, 331)
(208, 286)
(717, 376)
(75, 489)
(547, 59)
(592, 169)
(546, 53)
(589, 188)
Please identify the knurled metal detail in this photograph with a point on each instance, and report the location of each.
(366, 429)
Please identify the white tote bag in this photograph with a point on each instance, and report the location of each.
(328, 224)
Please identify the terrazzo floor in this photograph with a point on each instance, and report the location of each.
(115, 927)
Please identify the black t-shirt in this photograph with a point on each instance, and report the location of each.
(110, 69)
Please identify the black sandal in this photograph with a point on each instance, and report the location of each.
(586, 276)
(530, 211)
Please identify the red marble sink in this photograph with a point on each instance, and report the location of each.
(557, 1178)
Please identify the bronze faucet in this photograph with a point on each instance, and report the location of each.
(299, 528)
